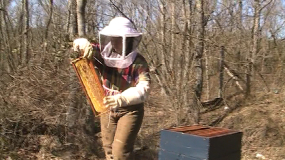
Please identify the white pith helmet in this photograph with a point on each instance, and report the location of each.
(119, 27)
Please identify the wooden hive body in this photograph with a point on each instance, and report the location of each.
(200, 143)
(90, 83)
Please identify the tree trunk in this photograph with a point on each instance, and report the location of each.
(207, 74)
(164, 67)
(181, 56)
(49, 18)
(76, 101)
(162, 36)
(2, 61)
(72, 110)
(25, 53)
(199, 49)
(172, 40)
(46, 32)
(255, 46)
(11, 58)
(187, 72)
(221, 72)
(69, 8)
(4, 41)
(72, 20)
(81, 4)
(185, 58)
(256, 30)
(240, 29)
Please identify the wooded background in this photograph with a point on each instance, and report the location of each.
(202, 54)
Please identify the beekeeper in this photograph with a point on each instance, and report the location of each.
(126, 82)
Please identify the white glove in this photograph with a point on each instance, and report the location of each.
(114, 102)
(82, 45)
(131, 96)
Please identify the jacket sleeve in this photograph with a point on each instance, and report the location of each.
(139, 93)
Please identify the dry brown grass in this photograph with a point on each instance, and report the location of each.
(263, 125)
(33, 104)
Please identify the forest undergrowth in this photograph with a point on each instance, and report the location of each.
(33, 106)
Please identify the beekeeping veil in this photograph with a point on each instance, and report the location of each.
(122, 29)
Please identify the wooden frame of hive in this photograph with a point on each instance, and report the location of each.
(90, 83)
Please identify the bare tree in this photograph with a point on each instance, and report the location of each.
(240, 29)
(164, 61)
(187, 72)
(81, 5)
(75, 101)
(26, 26)
(49, 11)
(72, 19)
(72, 110)
(172, 40)
(256, 37)
(49, 18)
(254, 50)
(199, 50)
(5, 41)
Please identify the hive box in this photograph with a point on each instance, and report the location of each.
(200, 143)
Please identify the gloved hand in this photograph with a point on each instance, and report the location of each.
(114, 102)
(82, 45)
(131, 96)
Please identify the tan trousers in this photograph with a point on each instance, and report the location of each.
(119, 131)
